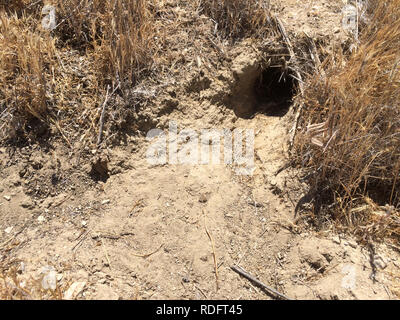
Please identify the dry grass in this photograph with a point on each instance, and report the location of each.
(238, 18)
(15, 287)
(24, 60)
(14, 5)
(350, 142)
(57, 79)
(120, 33)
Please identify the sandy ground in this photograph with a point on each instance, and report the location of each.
(151, 231)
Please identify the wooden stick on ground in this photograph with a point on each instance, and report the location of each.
(213, 248)
(103, 112)
(268, 289)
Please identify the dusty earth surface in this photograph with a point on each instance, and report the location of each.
(117, 227)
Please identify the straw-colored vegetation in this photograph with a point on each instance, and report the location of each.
(350, 142)
(52, 83)
(238, 18)
(59, 77)
(12, 287)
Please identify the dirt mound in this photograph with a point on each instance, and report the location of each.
(104, 223)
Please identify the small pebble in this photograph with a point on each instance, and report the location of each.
(352, 244)
(8, 230)
(336, 240)
(379, 262)
(203, 198)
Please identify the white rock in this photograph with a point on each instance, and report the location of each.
(8, 198)
(336, 239)
(349, 20)
(49, 20)
(106, 201)
(352, 244)
(75, 289)
(8, 230)
(41, 219)
(49, 280)
(380, 262)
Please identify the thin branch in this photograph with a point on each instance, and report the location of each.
(103, 111)
(268, 289)
(289, 45)
(213, 248)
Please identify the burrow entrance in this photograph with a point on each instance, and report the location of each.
(274, 91)
(269, 91)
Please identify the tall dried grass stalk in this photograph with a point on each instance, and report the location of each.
(96, 42)
(238, 18)
(351, 138)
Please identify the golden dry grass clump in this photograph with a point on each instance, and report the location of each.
(121, 33)
(238, 18)
(60, 76)
(57, 79)
(13, 287)
(24, 61)
(351, 138)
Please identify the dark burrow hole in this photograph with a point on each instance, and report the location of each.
(99, 170)
(269, 91)
(274, 91)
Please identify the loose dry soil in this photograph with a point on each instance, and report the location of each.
(130, 230)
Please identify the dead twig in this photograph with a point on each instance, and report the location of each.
(201, 291)
(213, 248)
(112, 236)
(297, 75)
(147, 254)
(217, 46)
(268, 289)
(138, 203)
(81, 238)
(62, 133)
(103, 112)
(283, 168)
(314, 55)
